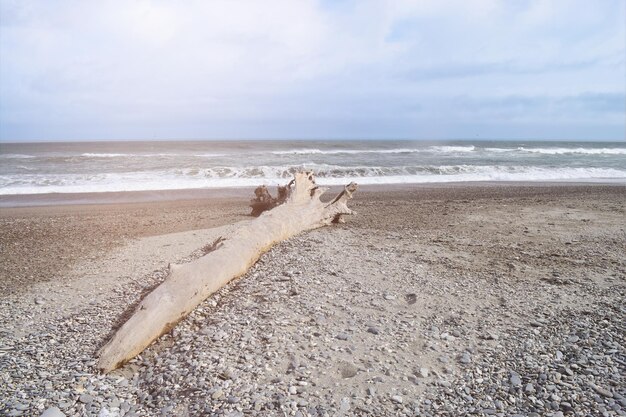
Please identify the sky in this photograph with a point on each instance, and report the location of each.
(331, 69)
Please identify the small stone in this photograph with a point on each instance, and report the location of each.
(40, 301)
(347, 370)
(106, 413)
(465, 358)
(515, 379)
(602, 391)
(564, 370)
(229, 374)
(344, 405)
(64, 405)
(342, 336)
(217, 394)
(396, 399)
(573, 339)
(423, 372)
(411, 298)
(293, 390)
(371, 391)
(85, 399)
(232, 400)
(373, 330)
(489, 335)
(53, 412)
(529, 388)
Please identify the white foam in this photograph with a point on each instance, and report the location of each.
(583, 151)
(104, 155)
(148, 155)
(25, 168)
(272, 175)
(343, 151)
(453, 149)
(16, 156)
(210, 155)
(498, 150)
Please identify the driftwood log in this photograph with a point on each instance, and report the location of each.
(187, 285)
(264, 201)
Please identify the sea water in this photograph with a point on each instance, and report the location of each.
(36, 168)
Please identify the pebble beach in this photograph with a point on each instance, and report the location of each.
(475, 299)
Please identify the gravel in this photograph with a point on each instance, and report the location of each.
(371, 318)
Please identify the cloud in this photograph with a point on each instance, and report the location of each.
(464, 70)
(216, 65)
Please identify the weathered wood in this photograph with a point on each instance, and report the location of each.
(264, 201)
(187, 285)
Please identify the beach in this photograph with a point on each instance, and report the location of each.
(446, 186)
(434, 299)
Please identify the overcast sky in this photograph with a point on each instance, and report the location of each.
(428, 69)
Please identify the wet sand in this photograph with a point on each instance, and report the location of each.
(42, 240)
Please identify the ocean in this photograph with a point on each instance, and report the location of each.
(39, 168)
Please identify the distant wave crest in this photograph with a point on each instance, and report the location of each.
(584, 151)
(342, 151)
(560, 151)
(431, 149)
(453, 149)
(16, 156)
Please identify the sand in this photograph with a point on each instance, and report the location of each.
(425, 292)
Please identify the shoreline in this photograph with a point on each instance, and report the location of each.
(153, 196)
(71, 230)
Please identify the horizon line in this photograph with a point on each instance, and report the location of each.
(51, 141)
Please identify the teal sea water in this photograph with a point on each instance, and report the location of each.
(131, 166)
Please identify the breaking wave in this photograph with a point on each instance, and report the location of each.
(585, 151)
(562, 151)
(327, 175)
(342, 151)
(104, 155)
(428, 149)
(453, 149)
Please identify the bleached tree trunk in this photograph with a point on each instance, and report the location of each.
(189, 284)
